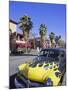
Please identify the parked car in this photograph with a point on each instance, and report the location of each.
(47, 69)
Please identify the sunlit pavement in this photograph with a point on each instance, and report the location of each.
(14, 61)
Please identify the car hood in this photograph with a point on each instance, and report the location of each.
(36, 73)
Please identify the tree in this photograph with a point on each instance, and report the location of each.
(52, 39)
(61, 43)
(25, 25)
(42, 32)
(57, 38)
(33, 36)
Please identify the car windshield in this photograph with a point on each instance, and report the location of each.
(50, 56)
(47, 56)
(49, 53)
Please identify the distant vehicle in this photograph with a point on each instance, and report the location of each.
(47, 69)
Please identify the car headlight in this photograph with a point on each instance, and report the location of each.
(49, 82)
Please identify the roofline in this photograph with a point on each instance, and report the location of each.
(13, 21)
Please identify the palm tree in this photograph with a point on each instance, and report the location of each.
(42, 32)
(61, 43)
(57, 38)
(52, 39)
(33, 34)
(25, 25)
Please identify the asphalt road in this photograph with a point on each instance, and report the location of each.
(17, 60)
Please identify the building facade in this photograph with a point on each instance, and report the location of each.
(12, 26)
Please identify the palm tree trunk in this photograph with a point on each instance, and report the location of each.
(52, 43)
(25, 33)
(42, 41)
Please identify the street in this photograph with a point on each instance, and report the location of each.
(14, 61)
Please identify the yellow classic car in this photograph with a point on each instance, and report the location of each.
(39, 73)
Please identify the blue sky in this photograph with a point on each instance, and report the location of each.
(52, 15)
